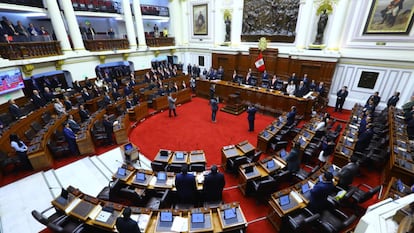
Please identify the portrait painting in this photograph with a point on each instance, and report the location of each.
(200, 19)
(390, 17)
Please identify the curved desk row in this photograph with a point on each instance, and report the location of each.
(99, 214)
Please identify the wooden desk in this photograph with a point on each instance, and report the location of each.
(121, 130)
(246, 178)
(247, 148)
(239, 222)
(278, 164)
(206, 225)
(82, 209)
(105, 218)
(197, 156)
(183, 96)
(228, 152)
(180, 157)
(163, 158)
(138, 112)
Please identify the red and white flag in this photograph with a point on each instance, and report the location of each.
(260, 65)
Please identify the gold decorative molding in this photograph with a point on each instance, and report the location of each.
(59, 64)
(156, 53)
(102, 59)
(125, 56)
(27, 69)
(172, 51)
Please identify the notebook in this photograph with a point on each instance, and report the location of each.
(284, 200)
(166, 216)
(230, 213)
(197, 217)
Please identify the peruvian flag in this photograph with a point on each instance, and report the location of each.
(260, 63)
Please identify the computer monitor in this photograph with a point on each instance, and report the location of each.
(283, 153)
(301, 141)
(345, 150)
(400, 186)
(166, 216)
(272, 127)
(265, 133)
(230, 213)
(121, 171)
(306, 134)
(128, 147)
(179, 155)
(270, 164)
(278, 123)
(281, 119)
(197, 217)
(311, 127)
(161, 176)
(305, 187)
(140, 176)
(284, 200)
(248, 169)
(163, 152)
(348, 142)
(64, 193)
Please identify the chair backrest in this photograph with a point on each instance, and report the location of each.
(338, 128)
(36, 126)
(157, 166)
(29, 134)
(176, 168)
(368, 195)
(256, 156)
(197, 167)
(40, 217)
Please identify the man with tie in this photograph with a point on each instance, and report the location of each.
(14, 109)
(73, 125)
(85, 95)
(109, 129)
(340, 98)
(290, 117)
(213, 185)
(186, 186)
(394, 99)
(83, 113)
(90, 32)
(70, 139)
(375, 100)
(48, 95)
(251, 113)
(37, 100)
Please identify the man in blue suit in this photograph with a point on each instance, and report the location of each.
(290, 117)
(251, 113)
(320, 191)
(186, 186)
(213, 185)
(71, 139)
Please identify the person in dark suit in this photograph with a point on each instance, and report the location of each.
(85, 94)
(301, 90)
(83, 113)
(129, 103)
(48, 95)
(127, 89)
(340, 98)
(73, 124)
(70, 139)
(107, 99)
(293, 79)
(67, 103)
(213, 185)
(90, 32)
(109, 129)
(251, 113)
(186, 186)
(374, 100)
(38, 100)
(392, 101)
(77, 86)
(125, 224)
(14, 109)
(293, 159)
(319, 193)
(1, 127)
(347, 173)
(364, 139)
(214, 107)
(115, 94)
(290, 117)
(410, 127)
(321, 89)
(171, 105)
(212, 91)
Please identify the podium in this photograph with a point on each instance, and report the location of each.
(233, 105)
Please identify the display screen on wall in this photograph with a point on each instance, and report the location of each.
(11, 80)
(200, 60)
(368, 79)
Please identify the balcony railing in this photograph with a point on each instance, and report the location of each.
(105, 45)
(25, 50)
(108, 6)
(155, 10)
(160, 41)
(35, 3)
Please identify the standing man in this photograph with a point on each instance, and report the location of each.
(213, 185)
(290, 117)
(251, 113)
(171, 105)
(71, 139)
(392, 101)
(214, 108)
(340, 99)
(320, 191)
(109, 129)
(125, 224)
(186, 186)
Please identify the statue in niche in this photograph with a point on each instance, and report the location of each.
(323, 20)
(227, 22)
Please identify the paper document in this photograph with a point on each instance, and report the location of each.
(143, 221)
(103, 216)
(180, 224)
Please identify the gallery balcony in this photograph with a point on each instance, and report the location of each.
(106, 44)
(26, 50)
(160, 41)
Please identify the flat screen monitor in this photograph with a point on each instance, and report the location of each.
(197, 217)
(230, 213)
(164, 153)
(281, 119)
(306, 134)
(283, 153)
(284, 200)
(270, 164)
(179, 155)
(305, 187)
(400, 186)
(248, 169)
(140, 176)
(348, 142)
(265, 133)
(278, 123)
(64, 193)
(272, 127)
(128, 147)
(10, 80)
(166, 216)
(302, 142)
(345, 150)
(121, 171)
(311, 127)
(161, 176)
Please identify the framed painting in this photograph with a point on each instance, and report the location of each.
(200, 20)
(390, 17)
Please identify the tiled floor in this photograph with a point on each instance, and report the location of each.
(36, 192)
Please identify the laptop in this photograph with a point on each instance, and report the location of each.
(345, 150)
(179, 155)
(284, 200)
(121, 171)
(305, 188)
(248, 169)
(306, 134)
(230, 213)
(272, 127)
(270, 164)
(166, 216)
(140, 176)
(265, 133)
(283, 153)
(164, 153)
(302, 142)
(197, 217)
(128, 147)
(161, 177)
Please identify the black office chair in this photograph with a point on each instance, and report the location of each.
(55, 217)
(157, 166)
(174, 167)
(363, 193)
(6, 161)
(303, 174)
(99, 138)
(197, 167)
(234, 163)
(29, 134)
(36, 126)
(262, 188)
(158, 199)
(46, 118)
(301, 220)
(334, 220)
(68, 226)
(56, 150)
(255, 157)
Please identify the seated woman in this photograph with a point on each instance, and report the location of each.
(291, 88)
(59, 108)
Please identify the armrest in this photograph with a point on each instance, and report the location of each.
(349, 221)
(312, 218)
(340, 214)
(365, 185)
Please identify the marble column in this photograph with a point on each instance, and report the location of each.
(139, 24)
(338, 21)
(72, 23)
(129, 25)
(176, 21)
(58, 25)
(302, 30)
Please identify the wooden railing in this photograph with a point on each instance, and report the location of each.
(104, 45)
(161, 41)
(25, 50)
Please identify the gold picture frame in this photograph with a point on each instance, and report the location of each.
(200, 19)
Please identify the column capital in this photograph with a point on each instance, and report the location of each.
(28, 69)
(59, 64)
